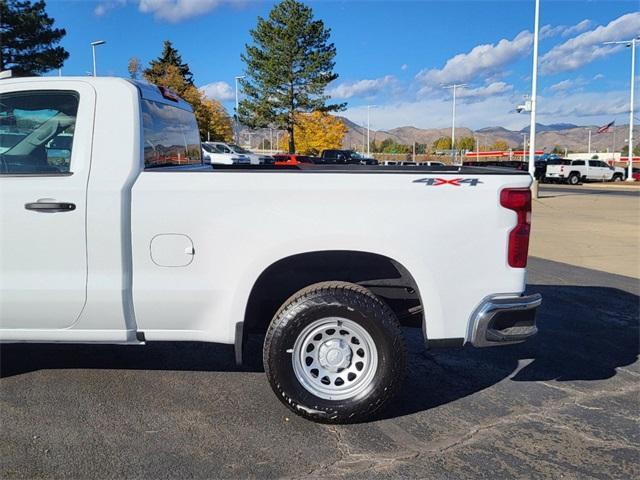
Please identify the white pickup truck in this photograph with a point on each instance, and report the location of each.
(575, 171)
(126, 237)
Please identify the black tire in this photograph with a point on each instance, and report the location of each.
(617, 178)
(574, 179)
(329, 300)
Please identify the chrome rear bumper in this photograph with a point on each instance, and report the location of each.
(504, 321)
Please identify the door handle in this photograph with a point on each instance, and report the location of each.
(50, 207)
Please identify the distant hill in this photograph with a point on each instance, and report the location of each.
(550, 128)
(562, 135)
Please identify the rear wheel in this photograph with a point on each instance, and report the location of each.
(574, 179)
(334, 353)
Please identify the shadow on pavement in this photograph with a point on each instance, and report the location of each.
(585, 333)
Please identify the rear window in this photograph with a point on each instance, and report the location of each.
(170, 135)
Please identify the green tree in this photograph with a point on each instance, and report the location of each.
(170, 56)
(636, 150)
(28, 38)
(288, 66)
(465, 143)
(442, 143)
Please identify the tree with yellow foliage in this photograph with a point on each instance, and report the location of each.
(169, 71)
(500, 145)
(315, 132)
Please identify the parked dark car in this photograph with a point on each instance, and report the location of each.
(346, 156)
(539, 172)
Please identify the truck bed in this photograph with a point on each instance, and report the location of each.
(314, 168)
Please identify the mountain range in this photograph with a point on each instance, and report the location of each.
(563, 135)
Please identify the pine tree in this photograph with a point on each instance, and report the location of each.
(288, 67)
(28, 39)
(170, 56)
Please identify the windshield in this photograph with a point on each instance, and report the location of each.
(171, 135)
(210, 148)
(238, 149)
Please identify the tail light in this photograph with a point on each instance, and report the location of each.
(518, 200)
(562, 168)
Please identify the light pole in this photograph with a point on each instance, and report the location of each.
(454, 86)
(369, 107)
(630, 43)
(93, 52)
(524, 145)
(237, 123)
(589, 144)
(534, 93)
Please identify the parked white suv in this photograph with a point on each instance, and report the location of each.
(213, 154)
(254, 158)
(575, 171)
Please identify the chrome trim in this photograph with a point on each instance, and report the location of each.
(489, 308)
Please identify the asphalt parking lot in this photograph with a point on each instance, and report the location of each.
(562, 405)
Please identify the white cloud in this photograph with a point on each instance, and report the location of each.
(585, 104)
(598, 76)
(361, 88)
(104, 7)
(587, 47)
(177, 10)
(404, 66)
(561, 86)
(219, 90)
(569, 107)
(577, 28)
(492, 89)
(548, 31)
(169, 10)
(481, 61)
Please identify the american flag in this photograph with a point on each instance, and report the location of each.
(605, 128)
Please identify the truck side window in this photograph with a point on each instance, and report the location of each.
(36, 131)
(579, 163)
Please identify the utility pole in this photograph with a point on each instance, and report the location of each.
(589, 144)
(237, 122)
(534, 93)
(630, 43)
(93, 53)
(454, 87)
(368, 128)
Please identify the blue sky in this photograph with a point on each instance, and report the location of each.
(392, 54)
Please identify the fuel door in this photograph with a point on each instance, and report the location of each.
(172, 250)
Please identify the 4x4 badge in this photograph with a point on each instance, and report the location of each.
(456, 182)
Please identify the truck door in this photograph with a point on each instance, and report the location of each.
(45, 152)
(594, 172)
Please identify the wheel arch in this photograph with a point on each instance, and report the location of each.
(384, 276)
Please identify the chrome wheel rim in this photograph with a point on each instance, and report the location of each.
(334, 358)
